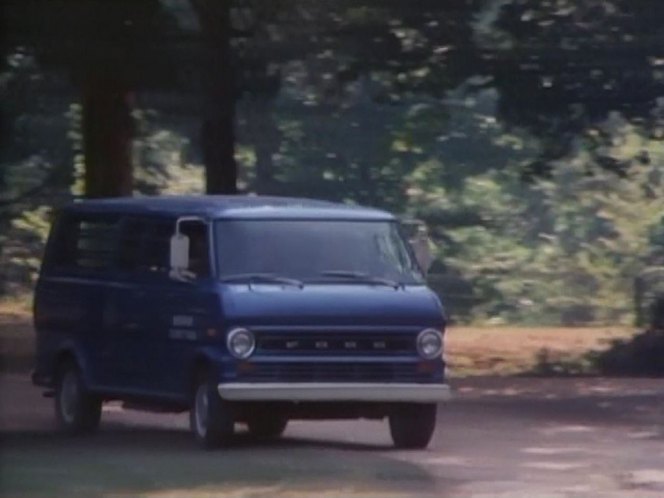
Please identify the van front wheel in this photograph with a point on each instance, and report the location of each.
(211, 418)
(76, 410)
(412, 425)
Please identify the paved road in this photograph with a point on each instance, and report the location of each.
(513, 438)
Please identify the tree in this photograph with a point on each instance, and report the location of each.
(218, 128)
(561, 67)
(108, 49)
(355, 80)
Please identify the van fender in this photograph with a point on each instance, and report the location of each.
(75, 351)
(208, 358)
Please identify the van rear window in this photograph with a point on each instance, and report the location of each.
(86, 243)
(96, 246)
(125, 244)
(144, 245)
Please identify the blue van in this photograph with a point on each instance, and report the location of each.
(249, 310)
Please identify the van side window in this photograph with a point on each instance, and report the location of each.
(156, 249)
(97, 244)
(86, 243)
(144, 245)
(131, 244)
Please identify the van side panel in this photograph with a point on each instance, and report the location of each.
(70, 310)
(105, 296)
(68, 320)
(180, 318)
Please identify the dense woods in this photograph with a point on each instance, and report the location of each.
(527, 134)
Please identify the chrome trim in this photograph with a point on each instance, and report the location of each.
(229, 339)
(334, 391)
(419, 339)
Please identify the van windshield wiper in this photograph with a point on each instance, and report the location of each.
(261, 278)
(361, 277)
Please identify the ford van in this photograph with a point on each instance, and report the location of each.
(240, 310)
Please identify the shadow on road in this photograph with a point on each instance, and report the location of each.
(599, 412)
(121, 436)
(126, 461)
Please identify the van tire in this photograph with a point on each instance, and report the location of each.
(211, 418)
(267, 426)
(77, 411)
(412, 425)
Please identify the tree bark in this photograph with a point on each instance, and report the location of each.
(218, 128)
(266, 138)
(107, 134)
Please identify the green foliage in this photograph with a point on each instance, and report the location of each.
(526, 133)
(566, 248)
(160, 157)
(562, 66)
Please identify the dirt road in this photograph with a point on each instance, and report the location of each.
(503, 437)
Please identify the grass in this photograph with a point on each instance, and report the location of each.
(18, 306)
(518, 350)
(16, 335)
(470, 351)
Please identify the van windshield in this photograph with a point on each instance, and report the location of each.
(315, 251)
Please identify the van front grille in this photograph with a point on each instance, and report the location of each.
(337, 372)
(331, 343)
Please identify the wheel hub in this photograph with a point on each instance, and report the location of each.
(69, 397)
(201, 410)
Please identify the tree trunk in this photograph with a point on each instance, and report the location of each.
(266, 139)
(218, 133)
(107, 134)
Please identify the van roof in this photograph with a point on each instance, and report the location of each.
(230, 207)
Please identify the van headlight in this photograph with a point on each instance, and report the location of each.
(430, 344)
(241, 343)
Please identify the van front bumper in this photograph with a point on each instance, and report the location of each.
(334, 391)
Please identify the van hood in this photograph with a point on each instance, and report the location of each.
(269, 304)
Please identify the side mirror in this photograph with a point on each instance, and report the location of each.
(179, 250)
(420, 245)
(179, 255)
(420, 242)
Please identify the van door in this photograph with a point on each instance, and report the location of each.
(125, 313)
(180, 312)
(162, 319)
(143, 262)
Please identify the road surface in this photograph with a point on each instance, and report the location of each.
(501, 437)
